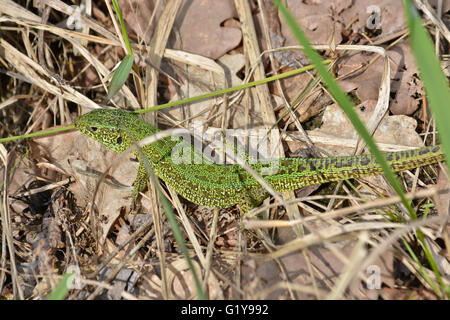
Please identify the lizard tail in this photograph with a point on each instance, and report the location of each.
(295, 173)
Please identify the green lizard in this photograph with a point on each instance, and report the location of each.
(222, 186)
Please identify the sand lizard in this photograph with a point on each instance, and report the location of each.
(222, 186)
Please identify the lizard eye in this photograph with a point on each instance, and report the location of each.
(119, 140)
(93, 129)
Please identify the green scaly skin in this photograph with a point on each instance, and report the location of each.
(222, 186)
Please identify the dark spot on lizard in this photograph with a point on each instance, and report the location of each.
(424, 151)
(435, 149)
(389, 157)
(364, 161)
(119, 140)
(319, 164)
(93, 129)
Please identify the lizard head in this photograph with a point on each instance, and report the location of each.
(111, 127)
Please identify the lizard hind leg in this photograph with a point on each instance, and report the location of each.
(140, 183)
(251, 199)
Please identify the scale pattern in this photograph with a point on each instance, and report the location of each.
(222, 186)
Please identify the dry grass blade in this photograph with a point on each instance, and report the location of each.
(263, 94)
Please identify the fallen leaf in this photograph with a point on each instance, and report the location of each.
(181, 281)
(260, 275)
(406, 88)
(199, 23)
(200, 27)
(86, 160)
(316, 19)
(396, 130)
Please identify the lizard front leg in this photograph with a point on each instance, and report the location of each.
(140, 183)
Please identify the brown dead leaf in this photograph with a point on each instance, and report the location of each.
(200, 27)
(443, 201)
(406, 85)
(408, 294)
(86, 160)
(397, 130)
(181, 281)
(200, 23)
(259, 275)
(406, 88)
(316, 19)
(365, 84)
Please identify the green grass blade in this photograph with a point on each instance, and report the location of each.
(120, 76)
(122, 25)
(61, 289)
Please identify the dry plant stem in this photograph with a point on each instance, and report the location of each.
(287, 285)
(429, 12)
(414, 225)
(310, 266)
(280, 266)
(350, 272)
(117, 27)
(379, 203)
(88, 11)
(32, 70)
(155, 53)
(50, 186)
(278, 83)
(209, 250)
(7, 231)
(238, 274)
(157, 48)
(45, 14)
(325, 235)
(262, 92)
(176, 55)
(329, 140)
(188, 228)
(103, 286)
(438, 32)
(116, 251)
(158, 219)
